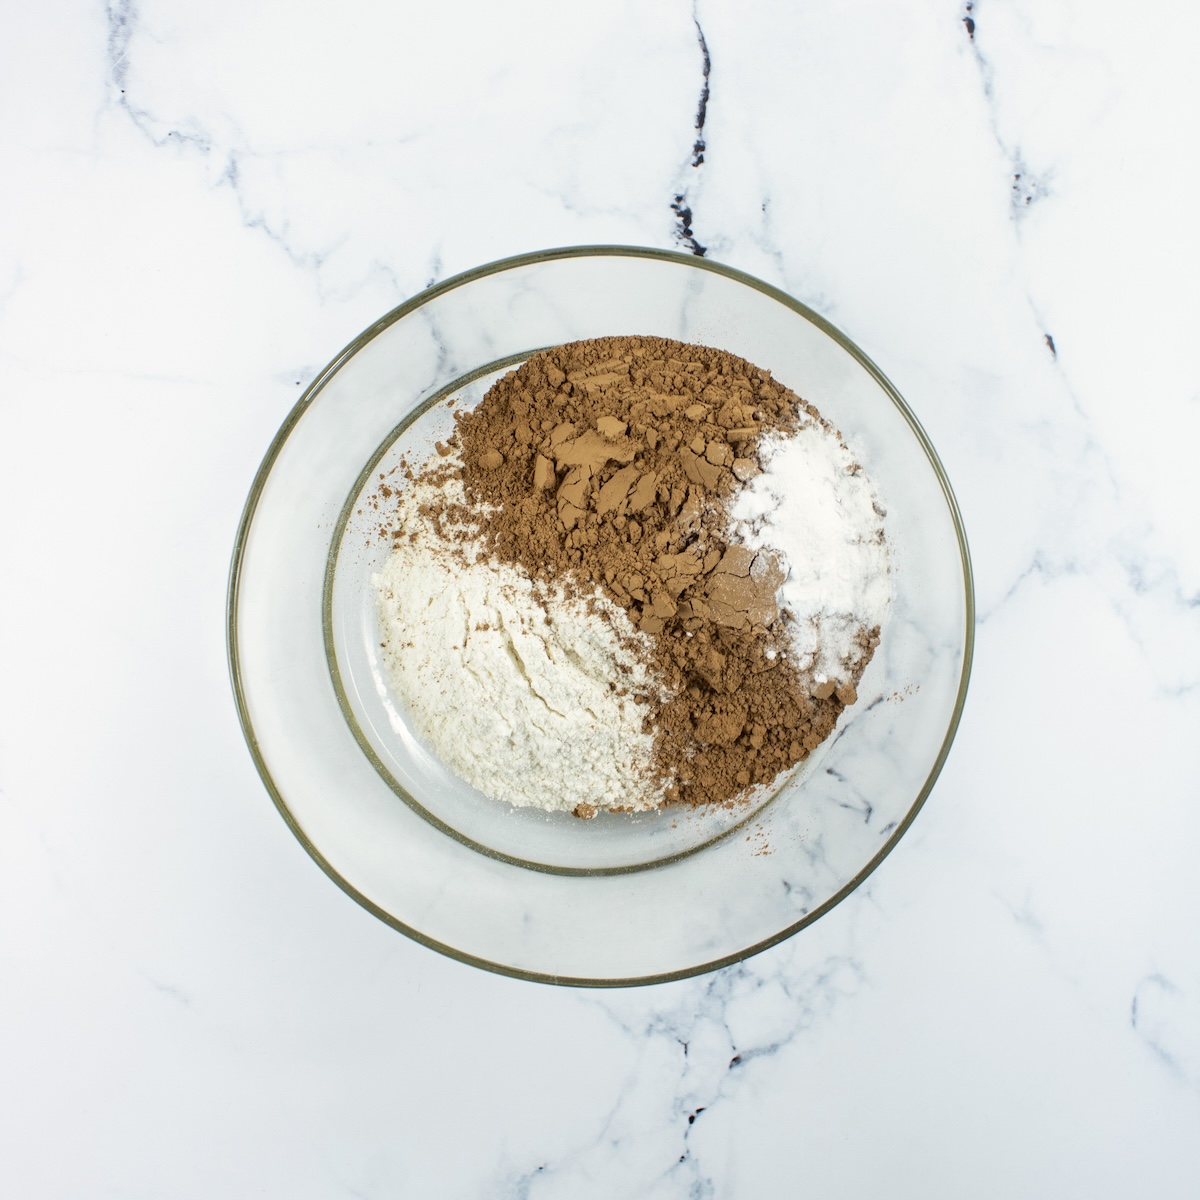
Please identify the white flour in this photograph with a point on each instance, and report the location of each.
(813, 505)
(512, 687)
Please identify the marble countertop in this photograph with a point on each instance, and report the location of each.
(203, 203)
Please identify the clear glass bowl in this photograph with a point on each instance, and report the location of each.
(621, 899)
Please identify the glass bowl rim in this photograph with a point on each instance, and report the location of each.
(310, 394)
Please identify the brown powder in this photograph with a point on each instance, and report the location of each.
(610, 464)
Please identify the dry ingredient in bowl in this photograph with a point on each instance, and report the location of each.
(508, 679)
(642, 572)
(813, 505)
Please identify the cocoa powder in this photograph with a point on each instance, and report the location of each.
(609, 464)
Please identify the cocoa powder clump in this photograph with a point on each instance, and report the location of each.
(610, 464)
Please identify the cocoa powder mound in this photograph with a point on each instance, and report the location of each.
(609, 464)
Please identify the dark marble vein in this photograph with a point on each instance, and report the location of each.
(681, 206)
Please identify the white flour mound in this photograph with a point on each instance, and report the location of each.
(512, 686)
(814, 505)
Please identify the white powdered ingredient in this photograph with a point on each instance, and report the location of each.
(527, 695)
(814, 505)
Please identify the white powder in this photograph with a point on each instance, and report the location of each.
(512, 686)
(814, 506)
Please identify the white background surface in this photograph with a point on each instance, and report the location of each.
(203, 203)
